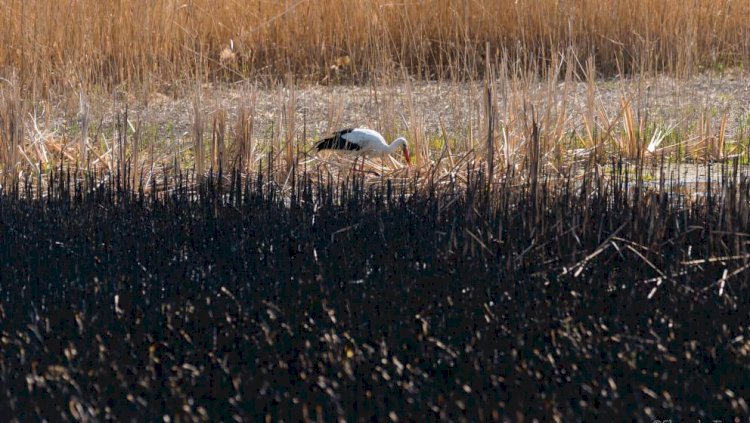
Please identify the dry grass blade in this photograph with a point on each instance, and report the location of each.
(721, 283)
(715, 260)
(84, 117)
(647, 261)
(629, 143)
(198, 128)
(217, 136)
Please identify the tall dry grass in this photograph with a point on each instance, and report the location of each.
(64, 43)
(85, 48)
(514, 122)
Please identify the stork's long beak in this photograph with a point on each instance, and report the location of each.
(406, 156)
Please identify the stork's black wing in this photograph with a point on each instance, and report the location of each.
(337, 142)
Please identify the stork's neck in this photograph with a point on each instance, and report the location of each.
(397, 143)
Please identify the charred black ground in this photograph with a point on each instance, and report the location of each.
(574, 298)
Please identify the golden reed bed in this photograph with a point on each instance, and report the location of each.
(69, 43)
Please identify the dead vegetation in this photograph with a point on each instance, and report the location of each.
(450, 125)
(512, 84)
(565, 203)
(230, 302)
(165, 41)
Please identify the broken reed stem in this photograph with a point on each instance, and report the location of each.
(217, 137)
(122, 136)
(489, 84)
(134, 154)
(84, 120)
(289, 115)
(198, 136)
(534, 156)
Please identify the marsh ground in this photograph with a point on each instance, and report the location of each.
(458, 106)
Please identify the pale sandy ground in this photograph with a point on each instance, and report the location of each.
(423, 106)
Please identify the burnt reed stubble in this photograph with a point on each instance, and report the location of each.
(227, 298)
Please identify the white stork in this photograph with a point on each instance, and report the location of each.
(364, 143)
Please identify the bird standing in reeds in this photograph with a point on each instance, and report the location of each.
(363, 143)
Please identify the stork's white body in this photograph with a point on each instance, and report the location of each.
(363, 142)
(370, 142)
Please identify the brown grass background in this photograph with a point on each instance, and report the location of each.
(67, 43)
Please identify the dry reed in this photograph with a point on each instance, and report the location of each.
(135, 41)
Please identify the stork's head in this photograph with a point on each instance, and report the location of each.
(401, 141)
